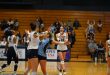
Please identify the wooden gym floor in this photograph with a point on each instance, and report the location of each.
(73, 68)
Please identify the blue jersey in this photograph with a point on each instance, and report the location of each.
(42, 47)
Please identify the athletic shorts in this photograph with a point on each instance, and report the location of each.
(32, 53)
(11, 54)
(41, 57)
(61, 50)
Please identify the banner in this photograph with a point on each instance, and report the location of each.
(51, 54)
(21, 53)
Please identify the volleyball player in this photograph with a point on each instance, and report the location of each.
(32, 52)
(62, 41)
(12, 51)
(108, 56)
(42, 51)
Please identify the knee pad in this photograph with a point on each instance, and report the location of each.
(62, 62)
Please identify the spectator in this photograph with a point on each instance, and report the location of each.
(16, 24)
(93, 50)
(71, 37)
(90, 27)
(90, 36)
(3, 42)
(19, 39)
(65, 26)
(40, 24)
(53, 29)
(108, 36)
(74, 37)
(4, 24)
(91, 24)
(99, 26)
(11, 23)
(70, 28)
(26, 38)
(101, 51)
(57, 25)
(7, 32)
(76, 24)
(69, 23)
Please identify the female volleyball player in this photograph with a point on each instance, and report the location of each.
(42, 51)
(12, 51)
(62, 41)
(108, 56)
(32, 52)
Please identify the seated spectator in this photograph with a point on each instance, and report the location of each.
(3, 42)
(53, 29)
(108, 36)
(76, 23)
(57, 25)
(65, 26)
(4, 24)
(26, 38)
(70, 28)
(10, 23)
(19, 39)
(99, 26)
(71, 38)
(101, 51)
(93, 50)
(69, 23)
(7, 32)
(39, 22)
(90, 36)
(16, 24)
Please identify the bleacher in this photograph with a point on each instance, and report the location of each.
(79, 50)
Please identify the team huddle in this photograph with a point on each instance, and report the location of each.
(36, 50)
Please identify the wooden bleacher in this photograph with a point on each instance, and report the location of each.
(79, 51)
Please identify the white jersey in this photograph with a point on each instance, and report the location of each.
(33, 42)
(108, 42)
(11, 41)
(61, 38)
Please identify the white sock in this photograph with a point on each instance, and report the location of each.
(33, 73)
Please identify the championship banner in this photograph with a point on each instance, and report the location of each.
(51, 54)
(21, 53)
